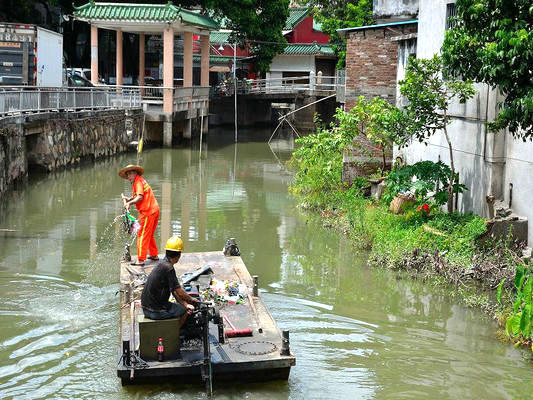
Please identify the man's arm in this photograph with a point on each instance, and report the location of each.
(183, 297)
(131, 201)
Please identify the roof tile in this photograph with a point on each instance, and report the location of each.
(308, 49)
(296, 14)
(151, 12)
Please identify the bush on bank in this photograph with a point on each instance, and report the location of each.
(424, 240)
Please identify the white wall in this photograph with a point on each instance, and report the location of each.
(284, 63)
(486, 162)
(49, 58)
(394, 8)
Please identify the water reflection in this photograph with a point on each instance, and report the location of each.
(357, 332)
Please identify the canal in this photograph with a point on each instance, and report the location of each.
(357, 332)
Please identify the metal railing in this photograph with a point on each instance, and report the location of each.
(341, 85)
(28, 99)
(191, 97)
(294, 84)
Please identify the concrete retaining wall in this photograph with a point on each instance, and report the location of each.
(57, 140)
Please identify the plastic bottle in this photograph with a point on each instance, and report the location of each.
(160, 349)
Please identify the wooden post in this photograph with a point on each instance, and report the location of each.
(256, 286)
(285, 344)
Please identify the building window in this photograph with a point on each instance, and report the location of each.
(451, 13)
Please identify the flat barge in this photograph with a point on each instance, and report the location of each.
(258, 352)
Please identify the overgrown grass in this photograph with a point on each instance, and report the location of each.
(372, 226)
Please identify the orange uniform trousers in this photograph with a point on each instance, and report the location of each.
(145, 236)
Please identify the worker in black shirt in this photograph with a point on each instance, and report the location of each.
(161, 283)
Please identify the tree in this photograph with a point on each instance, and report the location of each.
(429, 97)
(375, 119)
(259, 21)
(492, 42)
(338, 14)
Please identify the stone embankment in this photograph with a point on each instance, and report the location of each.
(57, 140)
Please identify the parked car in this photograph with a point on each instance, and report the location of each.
(83, 72)
(75, 80)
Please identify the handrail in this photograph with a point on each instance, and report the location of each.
(309, 82)
(24, 99)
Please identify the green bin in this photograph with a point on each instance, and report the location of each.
(151, 330)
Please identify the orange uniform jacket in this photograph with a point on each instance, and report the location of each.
(149, 215)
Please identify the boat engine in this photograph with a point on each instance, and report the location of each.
(194, 325)
(197, 326)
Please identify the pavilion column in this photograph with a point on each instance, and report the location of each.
(204, 78)
(187, 76)
(168, 83)
(204, 74)
(120, 62)
(141, 59)
(94, 54)
(187, 59)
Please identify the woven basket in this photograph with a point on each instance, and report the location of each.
(400, 203)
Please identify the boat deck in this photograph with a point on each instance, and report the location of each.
(239, 359)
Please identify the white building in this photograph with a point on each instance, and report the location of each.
(487, 163)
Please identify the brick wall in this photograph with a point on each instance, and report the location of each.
(371, 62)
(371, 70)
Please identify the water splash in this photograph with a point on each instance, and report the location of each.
(108, 251)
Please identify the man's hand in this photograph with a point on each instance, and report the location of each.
(190, 309)
(125, 202)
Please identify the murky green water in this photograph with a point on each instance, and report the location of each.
(357, 332)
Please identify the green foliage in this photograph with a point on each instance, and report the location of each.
(334, 14)
(519, 321)
(429, 97)
(376, 119)
(492, 42)
(318, 160)
(259, 21)
(427, 180)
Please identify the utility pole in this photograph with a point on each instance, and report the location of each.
(235, 85)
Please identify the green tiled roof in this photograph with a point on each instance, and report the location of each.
(219, 37)
(163, 13)
(309, 49)
(296, 14)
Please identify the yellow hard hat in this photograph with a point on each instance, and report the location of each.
(174, 244)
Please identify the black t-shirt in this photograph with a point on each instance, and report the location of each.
(160, 283)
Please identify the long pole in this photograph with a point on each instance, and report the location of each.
(235, 85)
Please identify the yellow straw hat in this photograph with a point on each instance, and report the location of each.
(131, 167)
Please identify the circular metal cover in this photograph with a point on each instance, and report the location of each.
(256, 348)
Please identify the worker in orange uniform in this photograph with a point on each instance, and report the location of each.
(144, 199)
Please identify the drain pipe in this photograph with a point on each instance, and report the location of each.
(486, 122)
